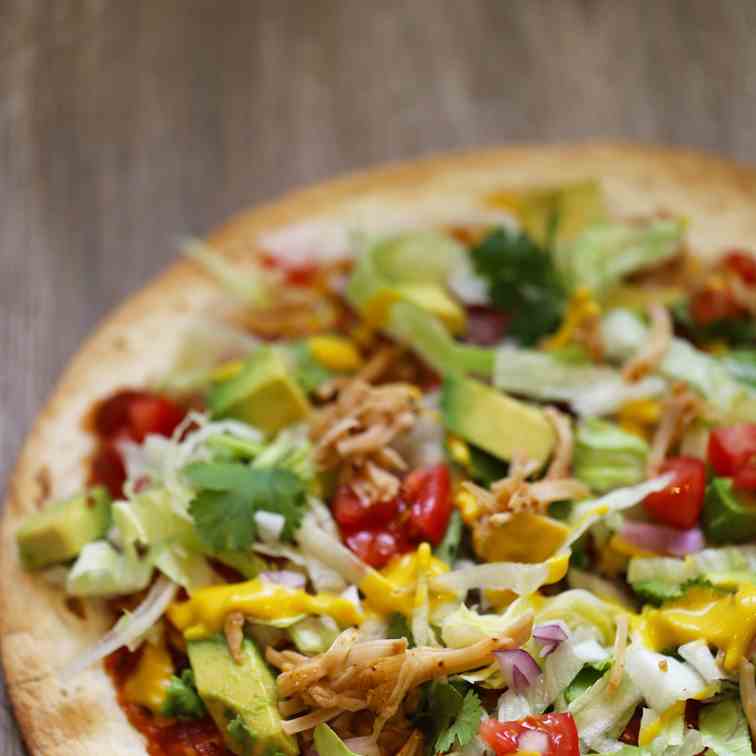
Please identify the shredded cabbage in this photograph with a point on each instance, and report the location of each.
(588, 389)
(699, 656)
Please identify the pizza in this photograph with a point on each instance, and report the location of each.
(454, 456)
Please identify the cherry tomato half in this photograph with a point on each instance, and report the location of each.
(137, 414)
(108, 469)
(549, 734)
(711, 305)
(680, 503)
(745, 478)
(732, 448)
(376, 546)
(352, 513)
(428, 493)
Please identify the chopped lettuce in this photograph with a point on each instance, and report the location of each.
(185, 567)
(741, 365)
(724, 728)
(328, 743)
(100, 570)
(425, 334)
(607, 457)
(251, 284)
(605, 253)
(587, 388)
(663, 680)
(624, 334)
(600, 713)
(313, 635)
(413, 267)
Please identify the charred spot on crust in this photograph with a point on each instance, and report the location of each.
(43, 479)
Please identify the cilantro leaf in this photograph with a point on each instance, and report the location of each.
(449, 546)
(465, 726)
(182, 700)
(229, 494)
(522, 281)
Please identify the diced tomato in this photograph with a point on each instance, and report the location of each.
(743, 263)
(680, 503)
(375, 547)
(549, 734)
(352, 513)
(303, 273)
(137, 414)
(485, 326)
(713, 304)
(153, 415)
(108, 469)
(112, 416)
(732, 448)
(428, 493)
(745, 478)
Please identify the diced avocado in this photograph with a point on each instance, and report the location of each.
(328, 743)
(60, 531)
(494, 421)
(728, 516)
(526, 537)
(262, 393)
(433, 299)
(241, 698)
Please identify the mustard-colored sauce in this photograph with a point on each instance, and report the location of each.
(725, 621)
(205, 613)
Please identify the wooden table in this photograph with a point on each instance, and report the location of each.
(125, 124)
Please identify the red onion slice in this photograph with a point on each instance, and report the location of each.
(289, 578)
(518, 667)
(662, 539)
(549, 636)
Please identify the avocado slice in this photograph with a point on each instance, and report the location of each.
(494, 421)
(241, 698)
(527, 537)
(262, 393)
(60, 531)
(728, 516)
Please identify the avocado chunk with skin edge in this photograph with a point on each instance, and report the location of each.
(61, 530)
(262, 393)
(241, 698)
(495, 422)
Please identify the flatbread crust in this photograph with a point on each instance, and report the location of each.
(138, 342)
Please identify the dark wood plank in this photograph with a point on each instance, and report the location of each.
(125, 124)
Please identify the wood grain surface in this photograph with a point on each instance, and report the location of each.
(126, 124)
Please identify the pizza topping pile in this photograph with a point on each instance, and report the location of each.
(471, 489)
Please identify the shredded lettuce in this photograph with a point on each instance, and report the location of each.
(600, 712)
(251, 284)
(587, 388)
(313, 635)
(624, 334)
(607, 457)
(724, 729)
(100, 570)
(605, 253)
(424, 333)
(663, 680)
(741, 365)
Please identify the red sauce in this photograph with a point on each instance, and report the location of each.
(165, 737)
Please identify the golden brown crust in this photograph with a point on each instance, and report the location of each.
(135, 344)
